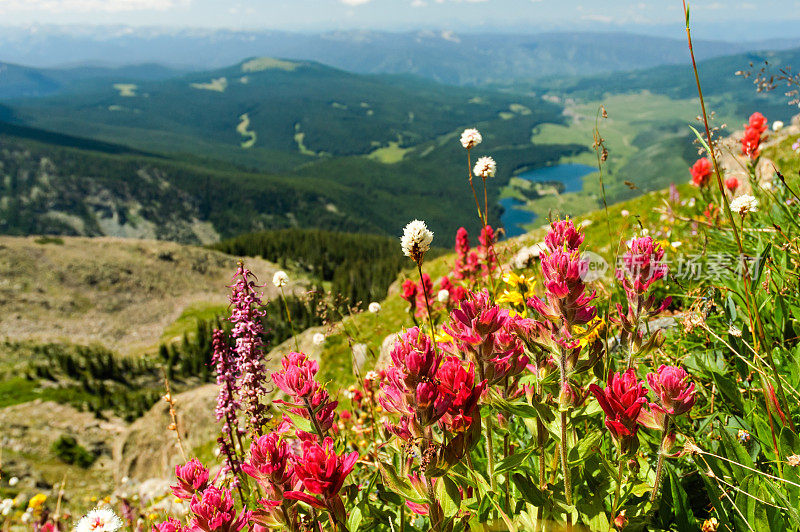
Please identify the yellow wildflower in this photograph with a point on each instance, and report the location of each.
(587, 335)
(521, 289)
(37, 501)
(442, 337)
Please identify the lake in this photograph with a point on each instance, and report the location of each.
(571, 175)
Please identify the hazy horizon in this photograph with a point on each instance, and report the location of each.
(712, 20)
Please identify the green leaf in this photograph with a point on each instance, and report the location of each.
(397, 484)
(448, 495)
(684, 517)
(354, 520)
(699, 136)
(514, 461)
(300, 422)
(529, 491)
(728, 390)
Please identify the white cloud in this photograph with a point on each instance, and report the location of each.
(355, 2)
(83, 6)
(418, 3)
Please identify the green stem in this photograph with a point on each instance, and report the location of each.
(564, 449)
(617, 490)
(474, 194)
(427, 305)
(289, 317)
(662, 451)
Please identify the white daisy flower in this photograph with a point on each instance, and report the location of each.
(280, 279)
(374, 307)
(416, 240)
(99, 520)
(485, 167)
(744, 204)
(443, 296)
(470, 138)
(318, 339)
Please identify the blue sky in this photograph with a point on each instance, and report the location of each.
(459, 15)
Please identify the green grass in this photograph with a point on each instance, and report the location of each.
(187, 321)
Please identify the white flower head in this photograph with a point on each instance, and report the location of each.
(99, 520)
(470, 138)
(777, 126)
(280, 279)
(625, 213)
(733, 330)
(27, 517)
(443, 296)
(6, 506)
(416, 240)
(372, 376)
(374, 307)
(744, 204)
(318, 339)
(485, 167)
(13, 481)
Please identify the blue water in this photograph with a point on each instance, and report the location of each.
(571, 175)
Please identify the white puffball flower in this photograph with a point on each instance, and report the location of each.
(470, 138)
(443, 296)
(485, 167)
(676, 244)
(13, 481)
(777, 126)
(318, 339)
(625, 213)
(6, 506)
(374, 307)
(416, 240)
(99, 520)
(280, 279)
(744, 204)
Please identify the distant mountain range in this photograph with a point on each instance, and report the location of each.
(265, 143)
(444, 56)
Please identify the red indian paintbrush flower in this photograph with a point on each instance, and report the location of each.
(214, 511)
(414, 355)
(622, 401)
(675, 391)
(170, 525)
(322, 473)
(563, 236)
(701, 171)
(758, 122)
(459, 384)
(297, 376)
(270, 464)
(192, 477)
(732, 184)
(751, 143)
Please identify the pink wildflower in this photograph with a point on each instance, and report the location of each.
(214, 511)
(675, 391)
(192, 477)
(622, 401)
(249, 347)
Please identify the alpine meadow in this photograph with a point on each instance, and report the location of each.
(412, 266)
